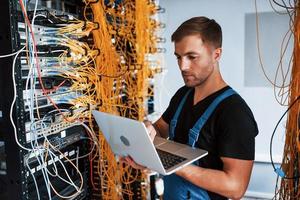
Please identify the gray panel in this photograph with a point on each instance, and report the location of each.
(272, 28)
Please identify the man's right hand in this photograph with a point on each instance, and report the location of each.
(128, 160)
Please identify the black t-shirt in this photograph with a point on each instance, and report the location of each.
(229, 132)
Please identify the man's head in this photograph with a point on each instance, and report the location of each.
(198, 44)
(208, 29)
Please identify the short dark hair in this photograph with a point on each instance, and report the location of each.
(208, 29)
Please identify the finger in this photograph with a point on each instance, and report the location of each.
(147, 123)
(150, 129)
(152, 133)
(146, 171)
(128, 160)
(122, 160)
(149, 126)
(133, 164)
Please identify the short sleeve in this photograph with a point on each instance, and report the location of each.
(237, 130)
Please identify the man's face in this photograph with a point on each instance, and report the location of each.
(196, 60)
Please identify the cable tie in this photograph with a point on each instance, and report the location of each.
(84, 25)
(279, 172)
(160, 9)
(98, 52)
(96, 26)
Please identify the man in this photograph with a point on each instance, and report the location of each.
(227, 133)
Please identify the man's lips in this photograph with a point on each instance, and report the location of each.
(187, 75)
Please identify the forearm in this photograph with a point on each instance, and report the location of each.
(216, 181)
(161, 128)
(159, 132)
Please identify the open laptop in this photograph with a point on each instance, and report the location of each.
(130, 137)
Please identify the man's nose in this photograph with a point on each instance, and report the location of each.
(184, 65)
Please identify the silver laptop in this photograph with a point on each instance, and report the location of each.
(130, 137)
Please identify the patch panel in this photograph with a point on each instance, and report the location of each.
(54, 128)
(60, 98)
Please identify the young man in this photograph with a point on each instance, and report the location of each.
(227, 128)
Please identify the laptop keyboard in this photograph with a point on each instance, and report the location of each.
(169, 160)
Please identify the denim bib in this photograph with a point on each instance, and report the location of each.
(175, 187)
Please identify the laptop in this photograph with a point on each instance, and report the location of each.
(130, 137)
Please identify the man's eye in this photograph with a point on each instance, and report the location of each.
(192, 57)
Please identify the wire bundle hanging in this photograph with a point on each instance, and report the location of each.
(289, 186)
(117, 81)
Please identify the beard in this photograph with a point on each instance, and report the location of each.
(191, 80)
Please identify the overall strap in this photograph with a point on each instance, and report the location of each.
(195, 131)
(173, 122)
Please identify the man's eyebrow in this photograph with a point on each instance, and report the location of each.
(187, 53)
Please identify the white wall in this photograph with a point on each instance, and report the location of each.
(230, 14)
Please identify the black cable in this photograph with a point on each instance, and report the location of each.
(292, 4)
(284, 5)
(289, 12)
(278, 170)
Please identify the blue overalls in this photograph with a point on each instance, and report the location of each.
(175, 187)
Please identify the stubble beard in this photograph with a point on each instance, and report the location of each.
(196, 82)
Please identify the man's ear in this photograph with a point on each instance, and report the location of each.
(217, 53)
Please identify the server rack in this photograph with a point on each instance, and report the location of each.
(16, 181)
